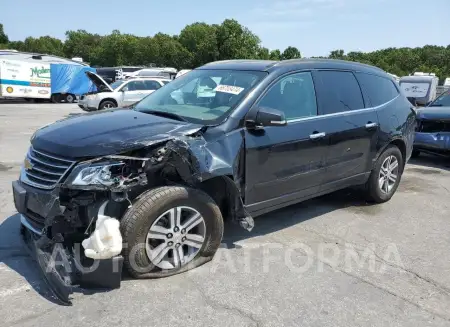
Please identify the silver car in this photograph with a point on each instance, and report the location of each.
(121, 93)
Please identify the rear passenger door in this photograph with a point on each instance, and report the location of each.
(351, 125)
(150, 86)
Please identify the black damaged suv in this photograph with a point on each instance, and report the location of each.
(149, 186)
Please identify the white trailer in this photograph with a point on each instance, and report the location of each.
(27, 75)
(21, 79)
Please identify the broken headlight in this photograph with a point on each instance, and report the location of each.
(99, 175)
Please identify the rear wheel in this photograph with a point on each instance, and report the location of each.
(386, 175)
(69, 98)
(107, 105)
(170, 230)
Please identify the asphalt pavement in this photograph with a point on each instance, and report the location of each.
(331, 261)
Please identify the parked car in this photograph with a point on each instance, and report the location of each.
(121, 93)
(168, 72)
(111, 74)
(182, 72)
(433, 127)
(162, 177)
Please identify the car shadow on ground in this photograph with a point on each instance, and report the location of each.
(298, 213)
(431, 161)
(15, 255)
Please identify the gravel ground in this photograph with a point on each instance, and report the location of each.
(331, 261)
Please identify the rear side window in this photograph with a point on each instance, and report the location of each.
(337, 92)
(377, 89)
(151, 85)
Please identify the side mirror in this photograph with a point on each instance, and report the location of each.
(269, 117)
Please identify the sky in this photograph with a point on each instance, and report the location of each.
(315, 27)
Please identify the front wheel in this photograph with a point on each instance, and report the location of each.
(169, 230)
(107, 105)
(386, 175)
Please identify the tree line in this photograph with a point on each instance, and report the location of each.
(200, 43)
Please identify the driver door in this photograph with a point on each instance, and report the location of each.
(286, 163)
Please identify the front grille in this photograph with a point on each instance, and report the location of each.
(44, 170)
(426, 126)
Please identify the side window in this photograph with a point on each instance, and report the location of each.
(131, 86)
(378, 89)
(151, 85)
(338, 92)
(294, 95)
(140, 86)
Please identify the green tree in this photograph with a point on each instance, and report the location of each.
(235, 41)
(200, 39)
(200, 43)
(337, 54)
(275, 55)
(3, 37)
(44, 44)
(171, 52)
(82, 44)
(263, 54)
(291, 53)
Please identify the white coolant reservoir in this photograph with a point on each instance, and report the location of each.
(106, 241)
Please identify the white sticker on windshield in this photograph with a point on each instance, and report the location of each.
(229, 89)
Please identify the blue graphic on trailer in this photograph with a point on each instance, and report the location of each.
(72, 79)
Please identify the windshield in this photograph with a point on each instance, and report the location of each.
(202, 96)
(442, 101)
(116, 84)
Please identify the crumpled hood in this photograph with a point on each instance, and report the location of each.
(107, 132)
(434, 113)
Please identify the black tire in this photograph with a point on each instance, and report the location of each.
(69, 98)
(415, 154)
(373, 191)
(137, 221)
(55, 98)
(107, 105)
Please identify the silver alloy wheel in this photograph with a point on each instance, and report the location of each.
(175, 238)
(108, 106)
(388, 174)
(69, 98)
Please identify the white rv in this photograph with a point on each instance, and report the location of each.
(421, 87)
(447, 82)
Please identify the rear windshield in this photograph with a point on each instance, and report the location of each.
(202, 96)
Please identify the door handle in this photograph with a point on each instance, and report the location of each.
(315, 136)
(371, 125)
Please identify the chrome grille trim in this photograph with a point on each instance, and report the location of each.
(46, 170)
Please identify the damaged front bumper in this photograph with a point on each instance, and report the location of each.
(60, 259)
